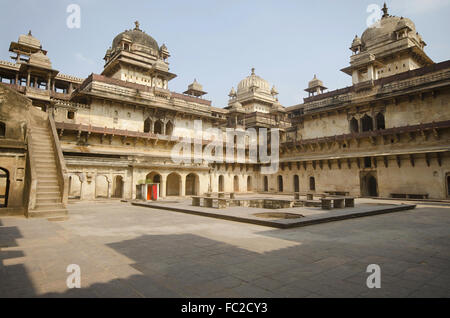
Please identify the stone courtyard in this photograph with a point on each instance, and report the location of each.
(130, 251)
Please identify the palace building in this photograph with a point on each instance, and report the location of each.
(66, 138)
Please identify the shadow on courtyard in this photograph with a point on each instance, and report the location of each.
(188, 265)
(14, 279)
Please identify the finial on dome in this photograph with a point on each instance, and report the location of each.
(385, 11)
(137, 24)
(29, 33)
(253, 71)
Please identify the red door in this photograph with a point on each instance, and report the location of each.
(154, 192)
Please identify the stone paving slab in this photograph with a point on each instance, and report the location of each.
(125, 251)
(310, 215)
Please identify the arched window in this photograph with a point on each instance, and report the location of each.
(280, 183)
(158, 127)
(312, 184)
(354, 125)
(221, 184)
(380, 121)
(249, 184)
(169, 128)
(367, 162)
(236, 184)
(296, 184)
(266, 184)
(366, 123)
(2, 129)
(147, 125)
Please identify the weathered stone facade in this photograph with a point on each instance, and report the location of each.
(386, 135)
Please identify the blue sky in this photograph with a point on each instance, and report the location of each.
(218, 42)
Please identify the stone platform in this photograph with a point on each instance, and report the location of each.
(307, 215)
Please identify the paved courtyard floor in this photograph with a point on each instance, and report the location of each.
(129, 251)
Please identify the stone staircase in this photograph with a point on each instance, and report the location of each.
(48, 192)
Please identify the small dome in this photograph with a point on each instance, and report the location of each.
(385, 28)
(315, 82)
(29, 40)
(40, 59)
(274, 91)
(136, 36)
(253, 81)
(356, 41)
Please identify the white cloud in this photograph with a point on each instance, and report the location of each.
(416, 7)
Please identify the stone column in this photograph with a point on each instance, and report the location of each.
(163, 185)
(49, 80)
(183, 185)
(28, 79)
(17, 79)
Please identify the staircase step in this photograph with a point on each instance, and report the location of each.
(45, 165)
(50, 213)
(41, 201)
(44, 162)
(47, 173)
(49, 206)
(45, 188)
(47, 183)
(41, 134)
(48, 177)
(45, 195)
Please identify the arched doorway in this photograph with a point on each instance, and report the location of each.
(74, 187)
(280, 183)
(447, 178)
(312, 184)
(169, 128)
(236, 184)
(249, 184)
(158, 129)
(101, 187)
(154, 177)
(148, 125)
(266, 184)
(192, 184)
(372, 186)
(221, 184)
(118, 187)
(173, 187)
(369, 186)
(2, 129)
(4, 187)
(296, 184)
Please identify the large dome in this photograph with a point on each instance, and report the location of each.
(385, 28)
(137, 36)
(253, 81)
